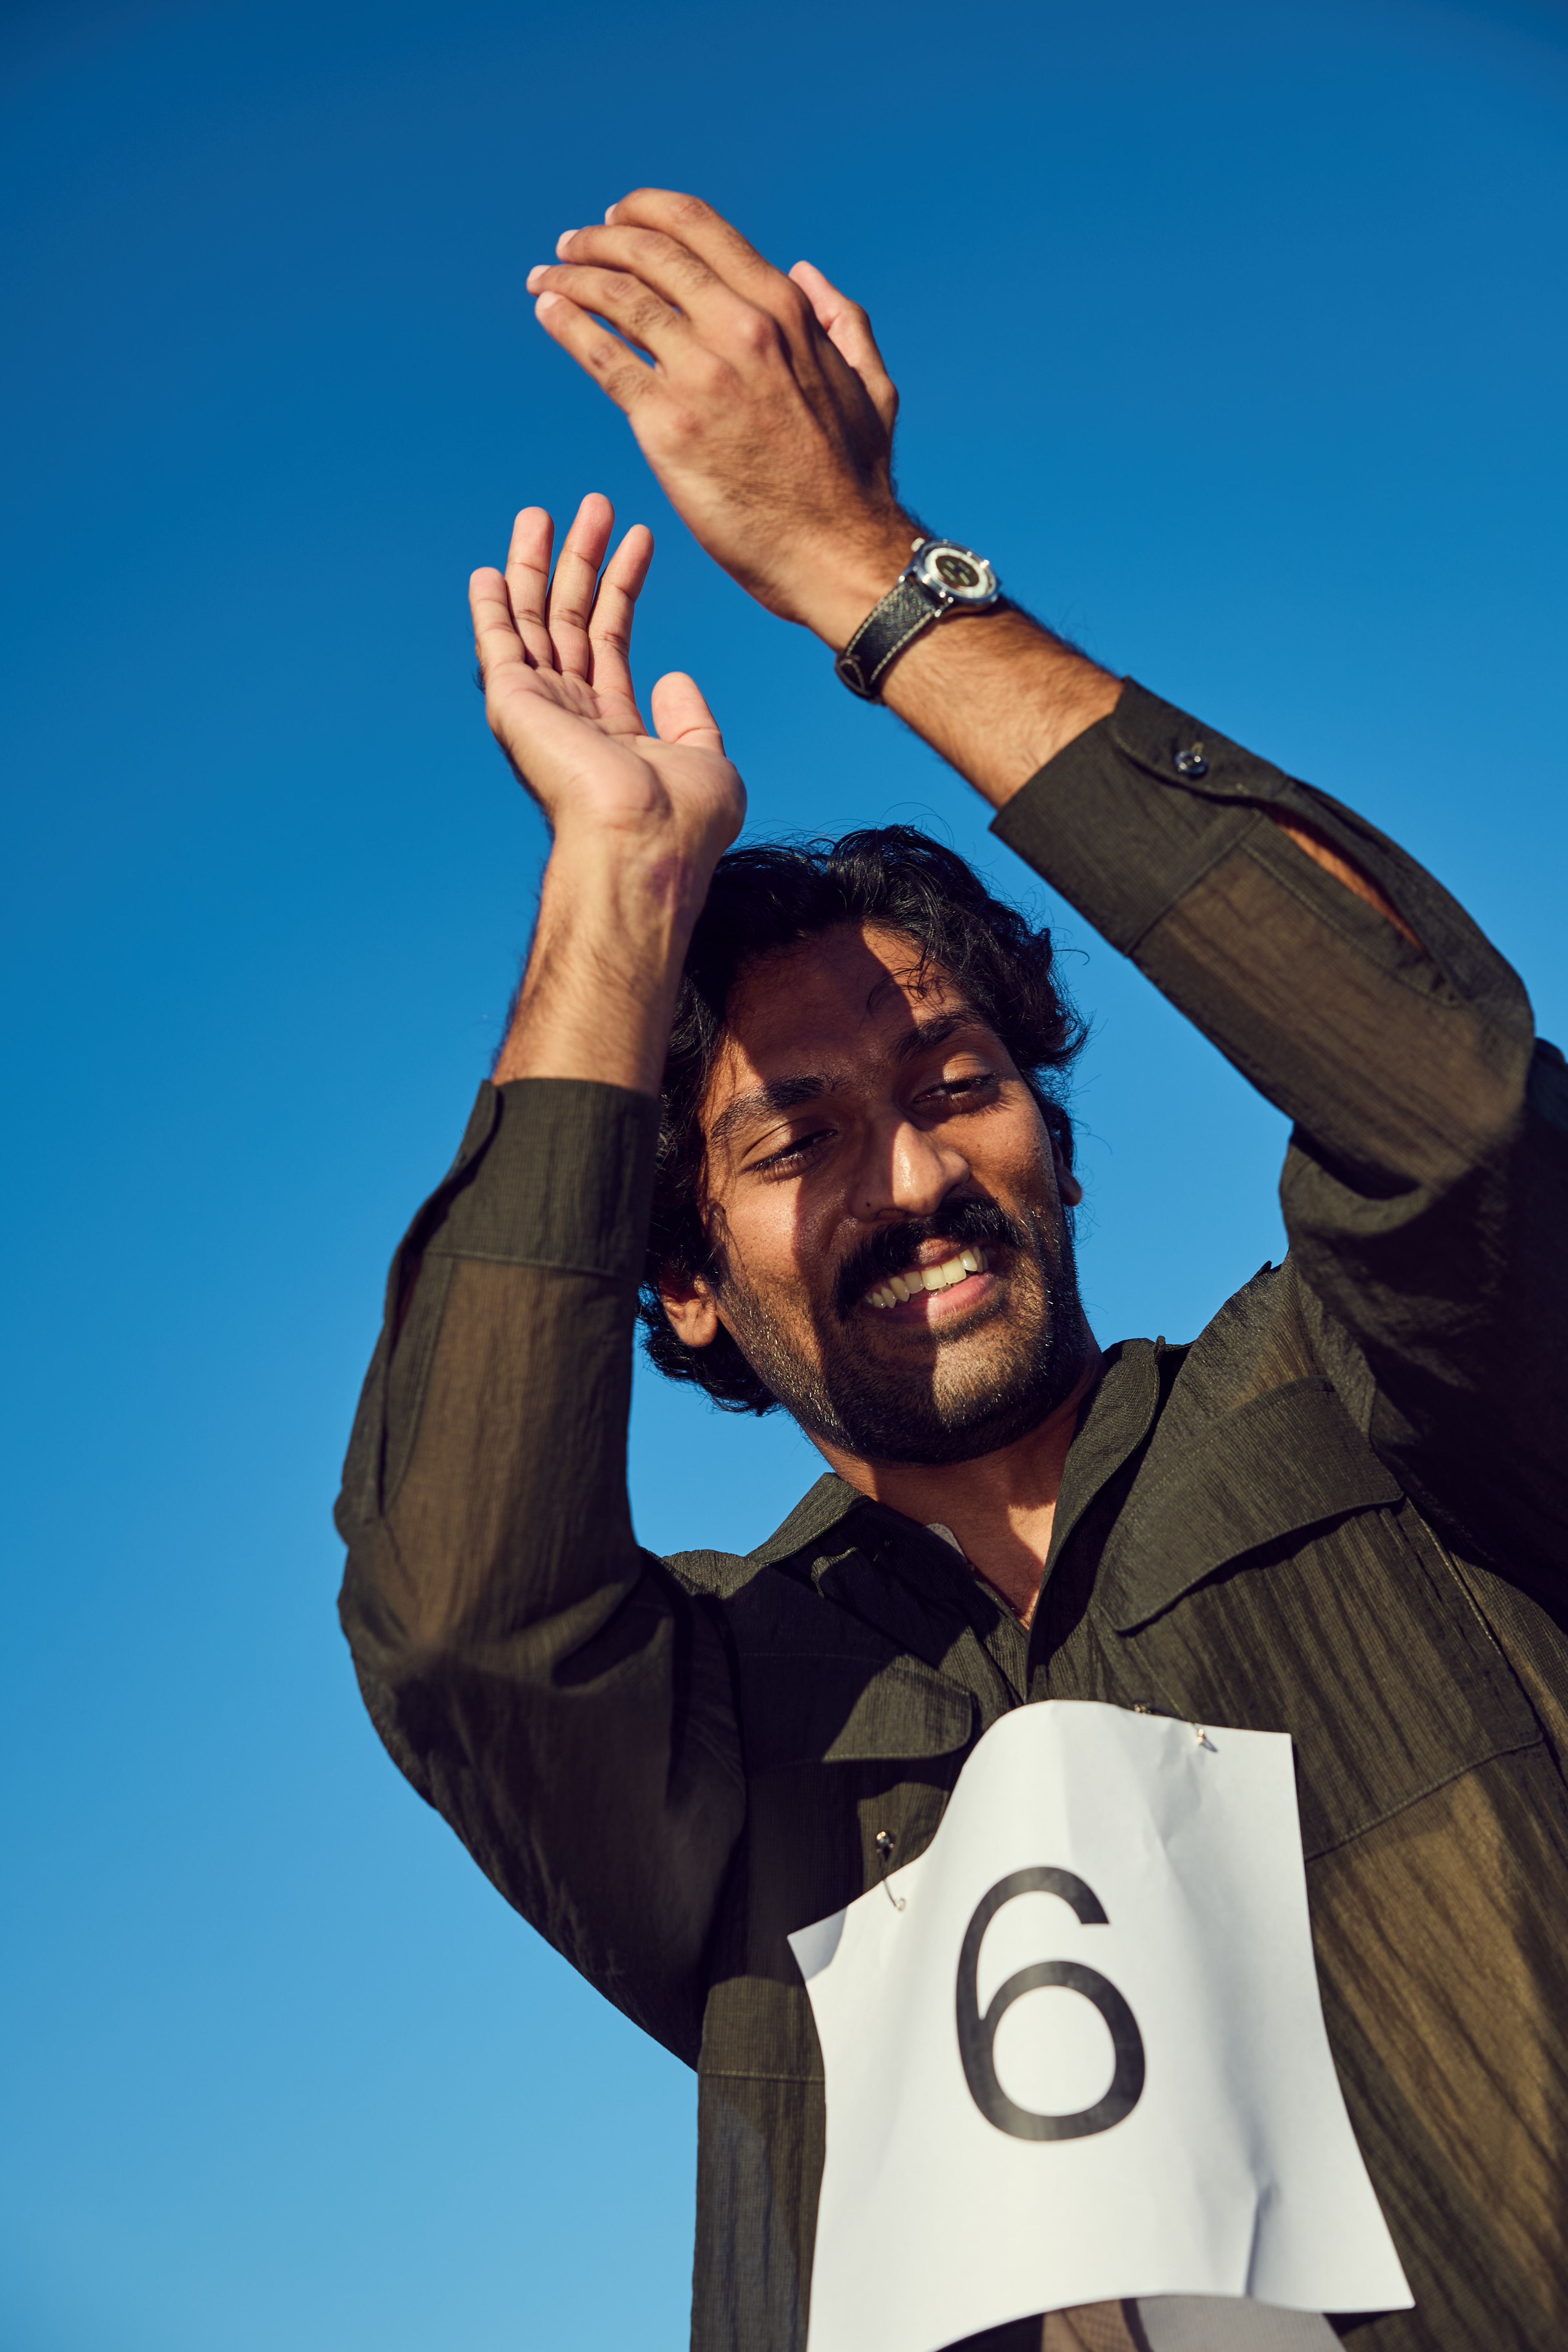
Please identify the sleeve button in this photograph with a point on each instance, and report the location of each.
(1192, 762)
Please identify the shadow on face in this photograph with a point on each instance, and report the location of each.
(885, 1207)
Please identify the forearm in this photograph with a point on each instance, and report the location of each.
(993, 693)
(598, 993)
(1286, 927)
(491, 1440)
(768, 417)
(539, 1678)
(1427, 1182)
(998, 697)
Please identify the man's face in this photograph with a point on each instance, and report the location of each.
(884, 1208)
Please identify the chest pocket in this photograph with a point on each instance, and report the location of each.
(817, 1684)
(846, 1706)
(1270, 1572)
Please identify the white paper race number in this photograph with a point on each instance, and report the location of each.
(1075, 2052)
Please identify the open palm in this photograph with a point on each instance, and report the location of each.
(554, 656)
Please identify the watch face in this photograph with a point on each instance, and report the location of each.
(956, 571)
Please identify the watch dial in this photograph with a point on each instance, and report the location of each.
(957, 570)
(965, 576)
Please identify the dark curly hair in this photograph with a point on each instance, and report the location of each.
(774, 895)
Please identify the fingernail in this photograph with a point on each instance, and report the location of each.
(563, 240)
(538, 270)
(609, 214)
(543, 304)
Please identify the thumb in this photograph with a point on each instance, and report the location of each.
(681, 716)
(848, 329)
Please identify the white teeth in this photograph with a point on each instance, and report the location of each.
(918, 1279)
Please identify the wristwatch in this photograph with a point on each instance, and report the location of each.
(941, 578)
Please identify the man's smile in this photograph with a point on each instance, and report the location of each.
(920, 1283)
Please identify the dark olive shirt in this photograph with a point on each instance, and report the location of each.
(1341, 1512)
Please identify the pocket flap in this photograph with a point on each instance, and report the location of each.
(839, 1707)
(1287, 1460)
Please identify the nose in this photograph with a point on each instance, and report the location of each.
(910, 1172)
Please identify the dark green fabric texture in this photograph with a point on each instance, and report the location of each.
(1341, 1512)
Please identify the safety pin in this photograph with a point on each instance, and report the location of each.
(884, 1843)
(1142, 1707)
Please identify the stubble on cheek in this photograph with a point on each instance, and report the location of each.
(778, 1329)
(951, 1398)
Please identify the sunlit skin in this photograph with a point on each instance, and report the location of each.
(916, 1102)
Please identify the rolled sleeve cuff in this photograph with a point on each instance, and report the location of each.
(1136, 810)
(552, 1172)
(1134, 813)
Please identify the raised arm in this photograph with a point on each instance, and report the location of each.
(540, 1679)
(764, 408)
(637, 821)
(765, 411)
(1426, 1190)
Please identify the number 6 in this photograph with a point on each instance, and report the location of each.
(977, 2034)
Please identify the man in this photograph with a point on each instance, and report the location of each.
(1339, 1513)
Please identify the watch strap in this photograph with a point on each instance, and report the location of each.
(904, 611)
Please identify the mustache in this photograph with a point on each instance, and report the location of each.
(979, 1223)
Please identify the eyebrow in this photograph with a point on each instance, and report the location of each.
(780, 1094)
(924, 1036)
(788, 1094)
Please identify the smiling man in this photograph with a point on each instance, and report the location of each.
(808, 1102)
(874, 1173)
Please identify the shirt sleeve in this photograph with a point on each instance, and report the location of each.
(543, 1682)
(1425, 1186)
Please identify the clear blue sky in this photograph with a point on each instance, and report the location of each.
(1234, 334)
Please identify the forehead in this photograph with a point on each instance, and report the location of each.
(843, 1001)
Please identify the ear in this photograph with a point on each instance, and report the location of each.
(1068, 1186)
(689, 1306)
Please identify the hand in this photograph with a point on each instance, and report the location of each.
(639, 820)
(554, 658)
(767, 413)
(768, 417)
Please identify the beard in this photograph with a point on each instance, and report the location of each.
(1004, 1372)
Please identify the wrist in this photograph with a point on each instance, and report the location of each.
(841, 582)
(997, 697)
(643, 888)
(603, 968)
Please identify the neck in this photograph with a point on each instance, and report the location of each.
(1001, 1507)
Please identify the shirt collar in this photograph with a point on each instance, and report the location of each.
(1113, 1420)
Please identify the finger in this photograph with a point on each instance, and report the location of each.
(848, 329)
(634, 309)
(610, 623)
(528, 582)
(669, 272)
(708, 236)
(600, 354)
(681, 716)
(496, 640)
(572, 589)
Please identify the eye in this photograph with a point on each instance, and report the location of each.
(790, 1156)
(964, 1090)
